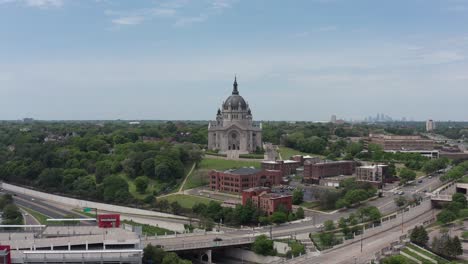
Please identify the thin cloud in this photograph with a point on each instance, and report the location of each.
(136, 17)
(35, 3)
(187, 21)
(180, 11)
(327, 28)
(222, 4)
(130, 20)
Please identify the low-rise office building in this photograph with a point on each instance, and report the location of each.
(244, 178)
(401, 143)
(266, 201)
(313, 172)
(375, 174)
(287, 167)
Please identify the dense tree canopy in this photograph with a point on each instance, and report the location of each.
(85, 158)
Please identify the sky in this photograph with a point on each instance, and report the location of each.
(176, 59)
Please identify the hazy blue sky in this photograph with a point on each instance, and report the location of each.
(176, 59)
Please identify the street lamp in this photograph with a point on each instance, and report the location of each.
(402, 213)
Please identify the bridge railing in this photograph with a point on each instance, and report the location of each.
(64, 256)
(208, 244)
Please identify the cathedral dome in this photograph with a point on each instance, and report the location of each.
(235, 99)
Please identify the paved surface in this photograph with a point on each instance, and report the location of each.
(352, 253)
(56, 210)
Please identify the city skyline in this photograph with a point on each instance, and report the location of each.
(162, 60)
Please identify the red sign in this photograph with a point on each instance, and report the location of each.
(5, 255)
(108, 220)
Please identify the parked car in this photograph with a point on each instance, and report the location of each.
(217, 239)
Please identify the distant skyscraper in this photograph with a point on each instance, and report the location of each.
(333, 119)
(430, 125)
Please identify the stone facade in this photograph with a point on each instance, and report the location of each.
(234, 129)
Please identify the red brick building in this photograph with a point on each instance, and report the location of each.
(267, 201)
(243, 178)
(287, 167)
(313, 172)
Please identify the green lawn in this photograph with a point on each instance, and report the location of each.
(416, 256)
(316, 239)
(186, 201)
(149, 229)
(439, 259)
(222, 164)
(464, 179)
(287, 153)
(39, 217)
(418, 172)
(199, 177)
(153, 186)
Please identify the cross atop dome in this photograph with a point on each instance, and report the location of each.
(234, 90)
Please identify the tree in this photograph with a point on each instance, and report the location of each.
(103, 169)
(446, 216)
(296, 249)
(369, 213)
(115, 189)
(168, 168)
(279, 217)
(298, 196)
(419, 236)
(329, 225)
(300, 213)
(407, 175)
(355, 196)
(12, 215)
(447, 246)
(141, 184)
(455, 247)
(263, 246)
(400, 201)
(459, 198)
(172, 258)
(51, 179)
(163, 205)
(327, 239)
(176, 207)
(153, 254)
(148, 167)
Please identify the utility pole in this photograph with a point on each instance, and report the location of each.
(362, 235)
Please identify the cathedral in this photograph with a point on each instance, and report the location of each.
(234, 130)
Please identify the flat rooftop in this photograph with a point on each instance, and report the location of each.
(244, 171)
